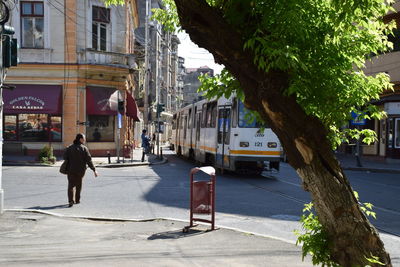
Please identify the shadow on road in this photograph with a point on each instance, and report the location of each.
(236, 194)
(49, 207)
(176, 234)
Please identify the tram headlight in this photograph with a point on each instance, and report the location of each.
(272, 144)
(244, 144)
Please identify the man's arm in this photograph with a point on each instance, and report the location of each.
(90, 163)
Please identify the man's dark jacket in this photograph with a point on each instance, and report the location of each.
(78, 157)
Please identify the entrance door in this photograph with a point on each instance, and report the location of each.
(393, 138)
(223, 138)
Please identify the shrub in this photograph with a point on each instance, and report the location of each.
(46, 155)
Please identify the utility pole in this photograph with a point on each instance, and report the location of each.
(146, 66)
(157, 90)
(1, 120)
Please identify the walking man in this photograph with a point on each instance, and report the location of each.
(78, 157)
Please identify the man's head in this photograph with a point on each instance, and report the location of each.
(144, 131)
(80, 137)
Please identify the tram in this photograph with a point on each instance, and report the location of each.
(222, 133)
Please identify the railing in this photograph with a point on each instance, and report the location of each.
(91, 56)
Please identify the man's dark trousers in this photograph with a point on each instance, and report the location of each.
(74, 180)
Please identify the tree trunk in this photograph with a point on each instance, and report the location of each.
(303, 137)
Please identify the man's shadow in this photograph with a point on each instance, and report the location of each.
(49, 207)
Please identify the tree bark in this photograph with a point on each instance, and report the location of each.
(304, 138)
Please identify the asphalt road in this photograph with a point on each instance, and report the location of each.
(269, 205)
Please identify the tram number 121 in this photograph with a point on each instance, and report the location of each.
(258, 144)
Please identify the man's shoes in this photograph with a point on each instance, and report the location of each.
(77, 202)
(70, 204)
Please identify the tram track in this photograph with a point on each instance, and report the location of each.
(301, 201)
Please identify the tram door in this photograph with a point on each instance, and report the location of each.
(223, 138)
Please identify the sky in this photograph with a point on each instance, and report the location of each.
(195, 56)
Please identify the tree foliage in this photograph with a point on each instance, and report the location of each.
(323, 45)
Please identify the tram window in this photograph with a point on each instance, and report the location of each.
(246, 119)
(184, 128)
(214, 115)
(189, 125)
(227, 126)
(234, 113)
(174, 122)
(204, 117)
(198, 127)
(220, 125)
(209, 115)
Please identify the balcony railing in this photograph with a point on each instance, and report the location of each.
(91, 56)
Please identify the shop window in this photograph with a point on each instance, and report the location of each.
(390, 133)
(10, 127)
(100, 129)
(56, 128)
(397, 135)
(32, 24)
(33, 128)
(100, 24)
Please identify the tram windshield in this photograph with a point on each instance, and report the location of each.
(246, 119)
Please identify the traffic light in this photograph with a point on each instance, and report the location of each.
(121, 107)
(10, 47)
(160, 108)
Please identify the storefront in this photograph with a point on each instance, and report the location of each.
(391, 130)
(32, 114)
(101, 109)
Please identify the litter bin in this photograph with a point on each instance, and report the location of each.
(202, 197)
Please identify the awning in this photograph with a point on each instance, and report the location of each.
(131, 107)
(33, 99)
(101, 101)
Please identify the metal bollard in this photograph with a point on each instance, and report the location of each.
(109, 157)
(161, 153)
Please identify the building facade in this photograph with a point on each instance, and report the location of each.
(191, 84)
(162, 72)
(76, 74)
(387, 129)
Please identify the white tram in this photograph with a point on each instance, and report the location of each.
(220, 133)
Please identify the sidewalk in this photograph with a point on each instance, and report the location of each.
(369, 163)
(39, 239)
(150, 159)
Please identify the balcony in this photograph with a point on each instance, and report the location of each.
(121, 60)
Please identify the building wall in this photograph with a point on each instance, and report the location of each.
(68, 40)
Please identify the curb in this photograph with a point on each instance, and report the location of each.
(23, 163)
(116, 165)
(375, 170)
(121, 165)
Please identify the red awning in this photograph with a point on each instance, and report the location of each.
(33, 99)
(101, 101)
(131, 107)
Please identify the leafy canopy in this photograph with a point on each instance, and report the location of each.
(321, 44)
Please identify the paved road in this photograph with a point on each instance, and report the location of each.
(269, 205)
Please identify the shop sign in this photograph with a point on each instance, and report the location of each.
(26, 102)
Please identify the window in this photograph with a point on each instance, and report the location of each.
(10, 127)
(189, 125)
(33, 128)
(247, 119)
(101, 19)
(100, 129)
(395, 39)
(234, 113)
(204, 118)
(32, 24)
